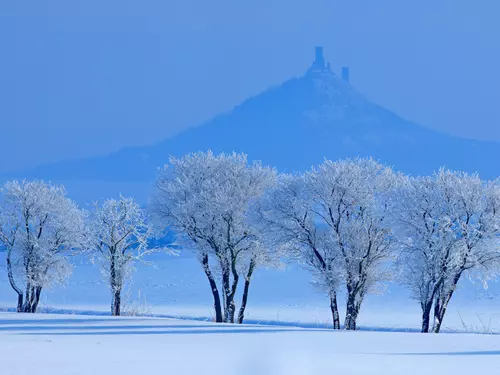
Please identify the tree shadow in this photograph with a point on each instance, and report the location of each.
(465, 353)
(77, 327)
(170, 331)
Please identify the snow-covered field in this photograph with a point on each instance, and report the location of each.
(73, 345)
(292, 340)
(177, 287)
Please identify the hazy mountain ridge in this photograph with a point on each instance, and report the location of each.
(293, 126)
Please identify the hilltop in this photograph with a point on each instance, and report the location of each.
(294, 126)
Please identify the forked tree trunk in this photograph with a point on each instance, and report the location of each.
(244, 298)
(440, 310)
(36, 301)
(441, 303)
(335, 310)
(213, 288)
(229, 289)
(32, 299)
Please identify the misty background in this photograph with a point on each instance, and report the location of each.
(87, 77)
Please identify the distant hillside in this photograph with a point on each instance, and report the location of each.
(292, 127)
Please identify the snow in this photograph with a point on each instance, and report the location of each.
(73, 345)
(177, 287)
(295, 343)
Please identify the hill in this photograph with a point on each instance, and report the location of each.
(293, 126)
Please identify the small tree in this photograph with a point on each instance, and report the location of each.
(39, 228)
(118, 234)
(205, 199)
(448, 226)
(350, 199)
(286, 216)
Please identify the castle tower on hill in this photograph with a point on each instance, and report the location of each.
(320, 65)
(319, 61)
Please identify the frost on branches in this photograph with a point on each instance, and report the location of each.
(448, 226)
(335, 219)
(205, 198)
(39, 228)
(350, 200)
(286, 215)
(118, 234)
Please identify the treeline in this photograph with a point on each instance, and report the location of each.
(355, 224)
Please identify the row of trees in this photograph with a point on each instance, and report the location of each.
(354, 224)
(40, 228)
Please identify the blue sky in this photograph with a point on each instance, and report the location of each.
(87, 77)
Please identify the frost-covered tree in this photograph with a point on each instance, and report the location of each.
(39, 228)
(448, 226)
(425, 237)
(205, 198)
(286, 216)
(350, 199)
(118, 234)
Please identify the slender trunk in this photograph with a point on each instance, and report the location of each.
(27, 300)
(437, 313)
(244, 299)
(213, 288)
(335, 310)
(20, 295)
(426, 316)
(20, 302)
(116, 284)
(116, 303)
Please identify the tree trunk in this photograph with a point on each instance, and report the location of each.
(20, 302)
(32, 299)
(20, 295)
(116, 284)
(335, 310)
(244, 299)
(442, 300)
(440, 309)
(351, 312)
(229, 306)
(36, 299)
(229, 290)
(116, 308)
(27, 301)
(426, 316)
(213, 288)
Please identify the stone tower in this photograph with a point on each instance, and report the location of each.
(319, 61)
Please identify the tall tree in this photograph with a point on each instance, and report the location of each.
(286, 216)
(448, 227)
(205, 198)
(350, 199)
(39, 227)
(118, 234)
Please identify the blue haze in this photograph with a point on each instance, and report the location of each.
(87, 77)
